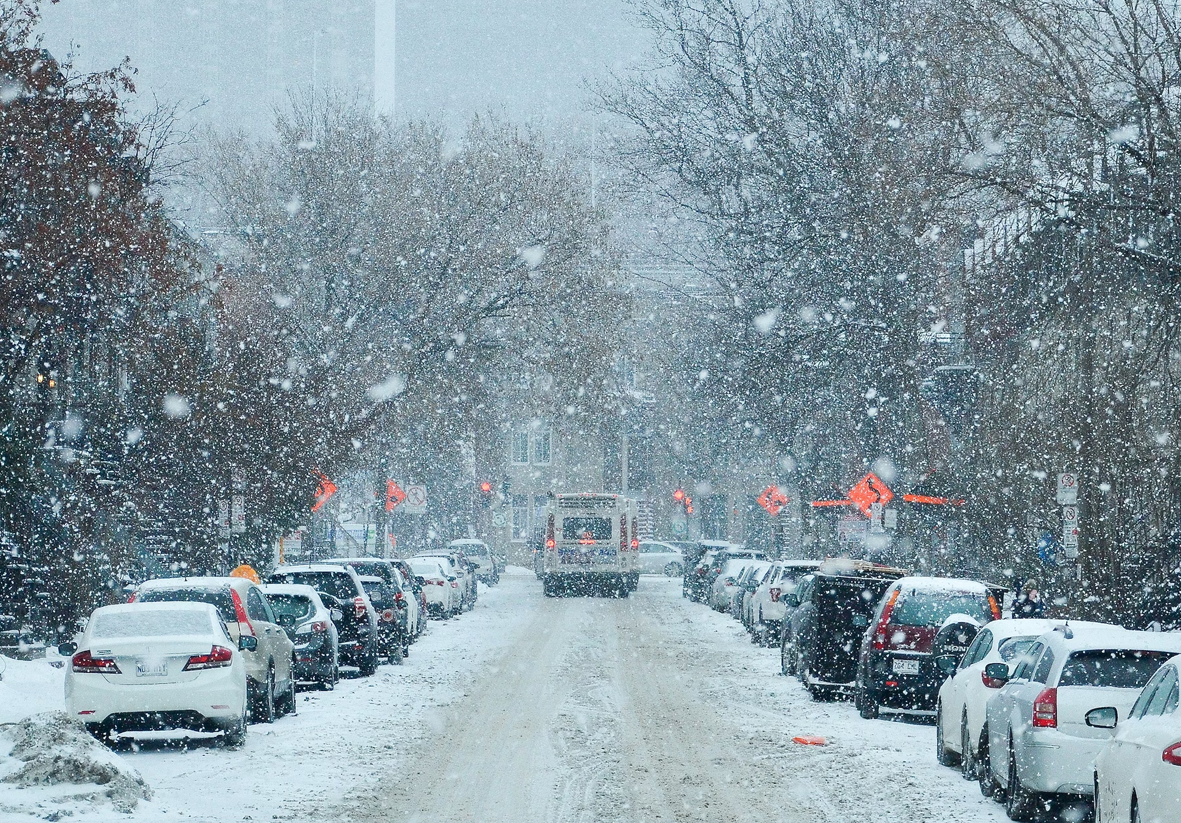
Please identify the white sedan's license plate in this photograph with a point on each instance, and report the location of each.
(151, 668)
(906, 666)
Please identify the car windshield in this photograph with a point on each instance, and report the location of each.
(294, 607)
(1013, 647)
(337, 584)
(932, 608)
(371, 568)
(586, 528)
(220, 598)
(150, 623)
(426, 570)
(1111, 668)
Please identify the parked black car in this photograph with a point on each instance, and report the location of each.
(357, 627)
(310, 619)
(393, 640)
(829, 613)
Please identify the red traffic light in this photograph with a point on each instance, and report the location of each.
(679, 495)
(486, 487)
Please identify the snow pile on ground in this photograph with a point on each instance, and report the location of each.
(56, 750)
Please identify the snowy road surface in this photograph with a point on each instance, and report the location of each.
(555, 710)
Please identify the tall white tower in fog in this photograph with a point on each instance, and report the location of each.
(229, 62)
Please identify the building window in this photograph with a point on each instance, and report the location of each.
(520, 518)
(519, 450)
(541, 447)
(539, 504)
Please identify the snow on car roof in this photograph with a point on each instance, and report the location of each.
(941, 584)
(157, 605)
(466, 541)
(1021, 627)
(1088, 635)
(291, 589)
(312, 567)
(211, 583)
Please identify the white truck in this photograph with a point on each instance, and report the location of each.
(592, 543)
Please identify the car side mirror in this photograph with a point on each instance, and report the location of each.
(248, 643)
(67, 649)
(792, 601)
(946, 663)
(420, 580)
(336, 614)
(1105, 717)
(401, 604)
(996, 675)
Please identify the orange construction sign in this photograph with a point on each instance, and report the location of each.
(773, 500)
(393, 495)
(869, 490)
(324, 491)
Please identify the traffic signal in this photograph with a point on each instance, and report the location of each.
(679, 495)
(485, 491)
(684, 500)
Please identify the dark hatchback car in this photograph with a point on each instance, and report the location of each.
(357, 627)
(897, 668)
(829, 612)
(393, 641)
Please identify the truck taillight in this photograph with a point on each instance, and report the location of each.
(83, 663)
(359, 606)
(1045, 709)
(623, 532)
(320, 626)
(635, 535)
(550, 542)
(218, 657)
(879, 633)
(774, 595)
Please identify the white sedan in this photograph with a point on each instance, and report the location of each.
(1138, 773)
(152, 666)
(441, 589)
(963, 697)
(658, 557)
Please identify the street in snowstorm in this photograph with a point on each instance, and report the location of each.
(647, 708)
(590, 411)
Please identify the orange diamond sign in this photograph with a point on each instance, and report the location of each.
(773, 500)
(869, 490)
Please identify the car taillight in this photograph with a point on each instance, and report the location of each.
(399, 596)
(132, 598)
(775, 595)
(996, 609)
(359, 606)
(320, 626)
(1172, 755)
(1045, 709)
(240, 613)
(218, 657)
(701, 570)
(879, 633)
(455, 584)
(83, 663)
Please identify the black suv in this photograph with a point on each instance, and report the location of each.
(358, 624)
(832, 609)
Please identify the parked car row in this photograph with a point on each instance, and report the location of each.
(1055, 719)
(214, 654)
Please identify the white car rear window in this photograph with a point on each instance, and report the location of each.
(150, 623)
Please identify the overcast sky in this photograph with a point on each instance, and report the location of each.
(527, 58)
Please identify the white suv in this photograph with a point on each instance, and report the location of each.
(1039, 741)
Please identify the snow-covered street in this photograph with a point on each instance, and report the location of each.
(532, 709)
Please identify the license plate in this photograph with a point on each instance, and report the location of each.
(906, 666)
(151, 668)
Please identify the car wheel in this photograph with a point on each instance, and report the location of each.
(397, 654)
(945, 756)
(1019, 801)
(988, 784)
(235, 736)
(674, 569)
(867, 706)
(263, 710)
(369, 662)
(968, 765)
(787, 658)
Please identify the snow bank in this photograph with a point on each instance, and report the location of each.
(53, 749)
